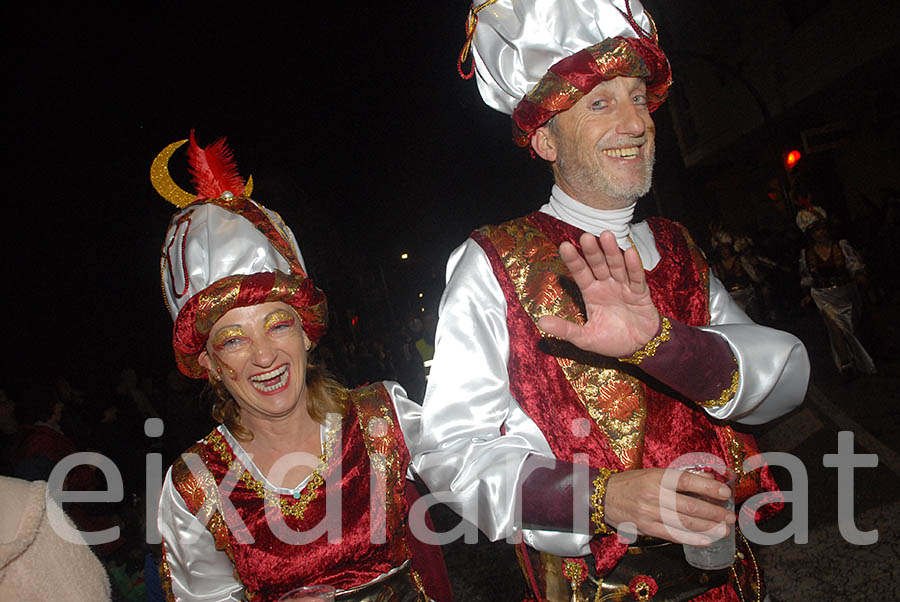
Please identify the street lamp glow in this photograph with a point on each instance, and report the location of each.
(421, 295)
(404, 256)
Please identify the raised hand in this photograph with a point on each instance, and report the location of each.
(621, 317)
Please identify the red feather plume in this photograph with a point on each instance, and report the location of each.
(213, 169)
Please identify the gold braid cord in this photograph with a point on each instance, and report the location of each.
(649, 350)
(597, 499)
(728, 393)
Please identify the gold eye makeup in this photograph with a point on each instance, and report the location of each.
(227, 333)
(280, 317)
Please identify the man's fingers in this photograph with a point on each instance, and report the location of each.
(561, 329)
(582, 273)
(615, 262)
(703, 484)
(594, 256)
(635, 270)
(670, 533)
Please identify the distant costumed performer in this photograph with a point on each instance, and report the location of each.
(291, 440)
(561, 446)
(830, 271)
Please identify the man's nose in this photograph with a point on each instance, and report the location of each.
(630, 119)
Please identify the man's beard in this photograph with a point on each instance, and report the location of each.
(589, 177)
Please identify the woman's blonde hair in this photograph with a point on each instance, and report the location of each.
(325, 395)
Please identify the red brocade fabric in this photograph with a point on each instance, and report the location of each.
(557, 384)
(574, 76)
(367, 454)
(200, 313)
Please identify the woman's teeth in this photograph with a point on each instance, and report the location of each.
(270, 381)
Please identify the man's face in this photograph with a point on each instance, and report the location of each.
(603, 146)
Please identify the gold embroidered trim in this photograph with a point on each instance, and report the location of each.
(597, 509)
(417, 582)
(728, 393)
(614, 400)
(649, 350)
(298, 508)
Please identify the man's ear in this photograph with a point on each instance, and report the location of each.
(544, 144)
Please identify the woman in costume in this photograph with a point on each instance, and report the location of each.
(303, 482)
(831, 271)
(737, 273)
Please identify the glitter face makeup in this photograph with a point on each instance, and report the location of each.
(230, 335)
(279, 319)
(263, 348)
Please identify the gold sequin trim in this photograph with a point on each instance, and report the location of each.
(597, 509)
(417, 582)
(728, 393)
(289, 507)
(649, 350)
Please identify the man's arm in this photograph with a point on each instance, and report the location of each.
(474, 436)
(478, 444)
(734, 368)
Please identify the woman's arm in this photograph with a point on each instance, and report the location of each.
(194, 568)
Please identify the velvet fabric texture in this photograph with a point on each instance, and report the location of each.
(698, 364)
(372, 453)
(583, 402)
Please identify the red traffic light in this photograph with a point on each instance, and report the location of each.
(791, 159)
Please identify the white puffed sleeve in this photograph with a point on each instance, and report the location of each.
(474, 437)
(198, 570)
(773, 364)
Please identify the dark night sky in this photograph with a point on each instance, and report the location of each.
(351, 119)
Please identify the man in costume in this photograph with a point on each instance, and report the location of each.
(667, 358)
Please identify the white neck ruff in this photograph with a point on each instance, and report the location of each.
(618, 221)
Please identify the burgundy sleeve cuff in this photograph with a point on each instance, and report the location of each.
(549, 500)
(698, 364)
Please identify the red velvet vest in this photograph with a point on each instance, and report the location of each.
(634, 421)
(371, 453)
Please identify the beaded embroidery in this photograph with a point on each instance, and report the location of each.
(295, 507)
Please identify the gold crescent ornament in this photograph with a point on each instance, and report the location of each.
(167, 188)
(162, 180)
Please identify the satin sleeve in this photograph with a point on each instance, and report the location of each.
(854, 262)
(474, 437)
(409, 414)
(773, 364)
(198, 571)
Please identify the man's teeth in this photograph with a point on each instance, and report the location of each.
(263, 382)
(622, 153)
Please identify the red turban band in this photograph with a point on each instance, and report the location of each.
(574, 76)
(200, 313)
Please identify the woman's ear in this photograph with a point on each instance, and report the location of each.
(306, 341)
(207, 362)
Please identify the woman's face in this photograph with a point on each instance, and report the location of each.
(820, 233)
(259, 352)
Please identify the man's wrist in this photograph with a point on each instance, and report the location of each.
(650, 348)
(598, 502)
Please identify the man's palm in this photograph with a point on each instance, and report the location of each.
(621, 317)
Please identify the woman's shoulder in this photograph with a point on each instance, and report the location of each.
(181, 467)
